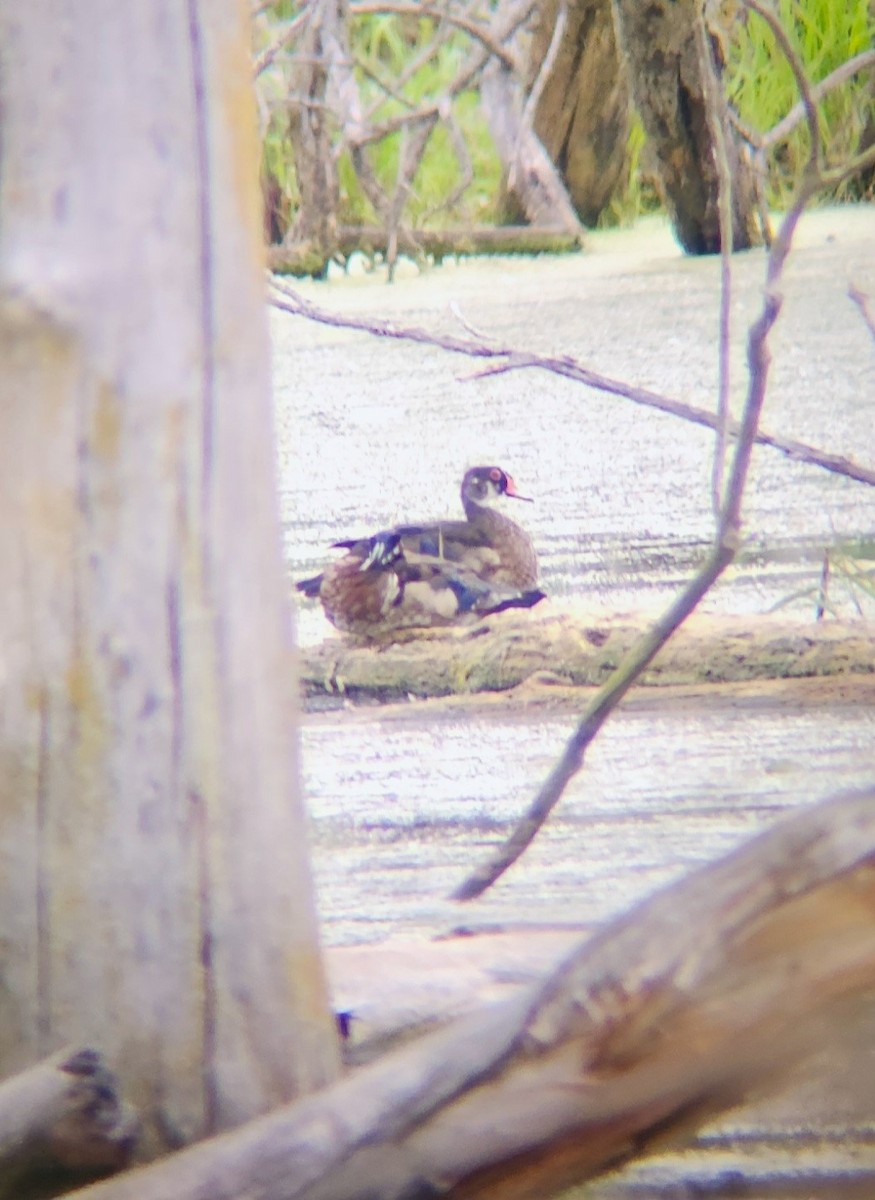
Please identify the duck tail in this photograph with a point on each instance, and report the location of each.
(310, 587)
(526, 599)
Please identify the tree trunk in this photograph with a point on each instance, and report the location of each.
(313, 235)
(532, 181)
(153, 867)
(582, 117)
(671, 84)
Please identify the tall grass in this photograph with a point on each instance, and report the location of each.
(760, 84)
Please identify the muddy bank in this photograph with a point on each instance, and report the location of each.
(529, 653)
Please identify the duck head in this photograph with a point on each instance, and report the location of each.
(488, 486)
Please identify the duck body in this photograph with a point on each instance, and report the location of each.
(443, 573)
(375, 591)
(488, 541)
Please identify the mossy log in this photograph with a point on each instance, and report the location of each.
(371, 241)
(571, 650)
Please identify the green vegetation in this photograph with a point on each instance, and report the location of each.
(406, 62)
(846, 582)
(761, 85)
(399, 71)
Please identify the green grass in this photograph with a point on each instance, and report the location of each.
(760, 83)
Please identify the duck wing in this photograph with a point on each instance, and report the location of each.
(452, 542)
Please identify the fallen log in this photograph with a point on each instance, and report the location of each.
(371, 240)
(61, 1120)
(505, 651)
(693, 1000)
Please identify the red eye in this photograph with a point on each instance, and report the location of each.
(495, 474)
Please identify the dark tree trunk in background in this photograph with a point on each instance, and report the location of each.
(582, 117)
(670, 89)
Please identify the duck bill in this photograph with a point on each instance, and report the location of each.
(510, 490)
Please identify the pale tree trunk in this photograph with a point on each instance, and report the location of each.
(154, 877)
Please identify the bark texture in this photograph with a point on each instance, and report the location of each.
(582, 117)
(670, 86)
(61, 1123)
(153, 865)
(323, 49)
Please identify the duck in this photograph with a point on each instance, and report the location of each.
(419, 576)
(488, 541)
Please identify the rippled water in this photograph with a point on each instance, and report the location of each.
(403, 809)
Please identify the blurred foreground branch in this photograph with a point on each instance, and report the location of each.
(697, 998)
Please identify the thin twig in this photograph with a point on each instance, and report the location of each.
(648, 646)
(463, 158)
(714, 107)
(506, 358)
(723, 551)
(472, 28)
(544, 71)
(464, 78)
(861, 300)
(860, 62)
(288, 34)
(807, 99)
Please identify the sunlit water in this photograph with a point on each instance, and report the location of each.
(373, 431)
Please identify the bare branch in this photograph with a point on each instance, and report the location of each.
(861, 300)
(705, 993)
(722, 553)
(472, 28)
(528, 117)
(288, 34)
(463, 158)
(793, 61)
(467, 74)
(715, 106)
(506, 358)
(860, 62)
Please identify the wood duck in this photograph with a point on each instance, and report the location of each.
(375, 590)
(488, 542)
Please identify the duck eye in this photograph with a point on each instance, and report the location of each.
(495, 475)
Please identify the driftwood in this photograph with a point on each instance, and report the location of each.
(61, 1120)
(564, 649)
(435, 243)
(674, 1011)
